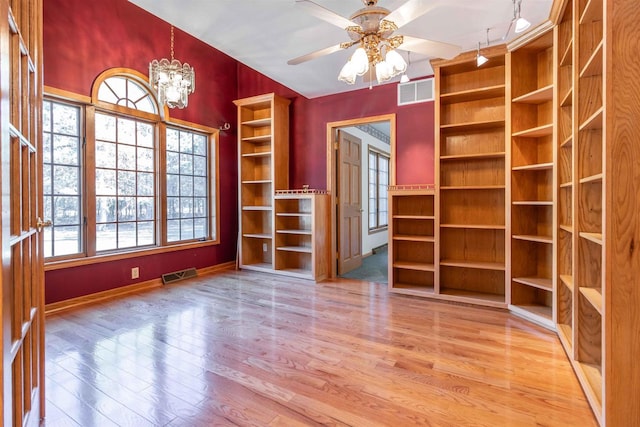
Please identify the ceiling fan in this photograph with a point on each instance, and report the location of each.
(372, 28)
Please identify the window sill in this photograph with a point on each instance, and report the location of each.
(378, 230)
(75, 262)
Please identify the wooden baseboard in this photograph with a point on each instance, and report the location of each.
(59, 306)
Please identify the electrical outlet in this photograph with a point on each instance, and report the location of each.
(264, 247)
(135, 272)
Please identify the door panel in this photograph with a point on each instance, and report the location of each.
(21, 177)
(349, 203)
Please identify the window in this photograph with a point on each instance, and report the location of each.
(137, 183)
(378, 183)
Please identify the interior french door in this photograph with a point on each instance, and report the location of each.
(21, 204)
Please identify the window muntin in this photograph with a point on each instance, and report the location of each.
(62, 189)
(378, 183)
(121, 90)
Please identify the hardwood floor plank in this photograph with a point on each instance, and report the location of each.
(244, 348)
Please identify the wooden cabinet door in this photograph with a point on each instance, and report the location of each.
(349, 202)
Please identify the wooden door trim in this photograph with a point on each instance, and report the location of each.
(331, 168)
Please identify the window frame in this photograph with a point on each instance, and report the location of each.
(88, 108)
(377, 153)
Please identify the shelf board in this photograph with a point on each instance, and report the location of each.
(537, 282)
(533, 203)
(412, 289)
(297, 272)
(257, 181)
(543, 312)
(478, 265)
(257, 154)
(294, 214)
(567, 143)
(461, 295)
(300, 249)
(593, 375)
(257, 235)
(567, 280)
(472, 187)
(421, 217)
(593, 67)
(419, 266)
(567, 55)
(258, 266)
(592, 12)
(535, 132)
(259, 138)
(591, 179)
(257, 208)
(496, 155)
(537, 96)
(594, 296)
(567, 99)
(567, 228)
(475, 226)
(473, 94)
(566, 336)
(534, 167)
(592, 237)
(298, 232)
(533, 238)
(566, 185)
(594, 121)
(480, 125)
(413, 238)
(258, 122)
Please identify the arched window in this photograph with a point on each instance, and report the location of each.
(148, 182)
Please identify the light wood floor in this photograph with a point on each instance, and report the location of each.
(241, 348)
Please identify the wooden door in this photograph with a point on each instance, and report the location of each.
(21, 178)
(349, 203)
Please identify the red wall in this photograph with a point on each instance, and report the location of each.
(84, 38)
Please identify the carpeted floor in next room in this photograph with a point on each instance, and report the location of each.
(373, 269)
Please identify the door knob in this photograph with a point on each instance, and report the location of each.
(40, 224)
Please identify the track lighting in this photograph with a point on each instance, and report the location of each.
(481, 59)
(521, 23)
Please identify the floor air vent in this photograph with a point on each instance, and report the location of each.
(179, 275)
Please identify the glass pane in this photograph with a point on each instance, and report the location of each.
(186, 229)
(145, 135)
(145, 184)
(48, 241)
(126, 183)
(65, 119)
(105, 209)
(186, 186)
(200, 186)
(145, 208)
(66, 180)
(46, 116)
(105, 182)
(173, 185)
(126, 157)
(126, 131)
(372, 205)
(48, 207)
(127, 236)
(145, 159)
(173, 162)
(66, 210)
(126, 209)
(372, 220)
(105, 128)
(383, 164)
(186, 164)
(66, 150)
(186, 142)
(200, 144)
(382, 218)
(106, 94)
(186, 207)
(118, 86)
(200, 166)
(134, 91)
(105, 154)
(200, 207)
(146, 104)
(46, 176)
(173, 230)
(199, 228)
(146, 233)
(173, 207)
(173, 141)
(67, 240)
(46, 148)
(106, 237)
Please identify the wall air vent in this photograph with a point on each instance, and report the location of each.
(416, 91)
(179, 275)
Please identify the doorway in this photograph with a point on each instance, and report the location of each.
(369, 137)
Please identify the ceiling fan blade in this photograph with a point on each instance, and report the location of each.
(325, 14)
(316, 54)
(409, 11)
(430, 48)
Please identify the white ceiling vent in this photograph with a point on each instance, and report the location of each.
(416, 91)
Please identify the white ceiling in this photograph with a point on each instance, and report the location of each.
(265, 34)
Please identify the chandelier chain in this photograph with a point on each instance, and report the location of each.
(172, 43)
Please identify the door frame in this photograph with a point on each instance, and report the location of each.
(332, 179)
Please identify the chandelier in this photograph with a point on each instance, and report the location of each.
(172, 80)
(376, 48)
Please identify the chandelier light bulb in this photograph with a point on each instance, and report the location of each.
(396, 62)
(383, 71)
(360, 61)
(348, 73)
